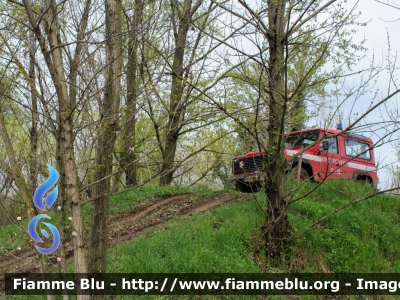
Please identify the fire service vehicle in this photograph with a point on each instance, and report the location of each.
(345, 156)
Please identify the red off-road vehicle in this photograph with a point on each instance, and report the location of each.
(346, 156)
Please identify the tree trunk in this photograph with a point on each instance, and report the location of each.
(74, 62)
(33, 159)
(175, 105)
(129, 158)
(44, 268)
(54, 61)
(277, 225)
(106, 139)
(62, 201)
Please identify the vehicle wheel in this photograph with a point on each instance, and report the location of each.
(255, 187)
(248, 187)
(242, 187)
(303, 174)
(365, 181)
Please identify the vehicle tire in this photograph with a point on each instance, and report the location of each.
(255, 187)
(242, 187)
(304, 176)
(365, 181)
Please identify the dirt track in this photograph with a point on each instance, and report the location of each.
(123, 227)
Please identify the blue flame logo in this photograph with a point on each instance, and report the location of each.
(44, 204)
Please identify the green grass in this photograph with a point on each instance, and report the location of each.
(362, 238)
(216, 241)
(125, 201)
(15, 235)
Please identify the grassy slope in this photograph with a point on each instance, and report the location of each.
(216, 241)
(15, 235)
(362, 238)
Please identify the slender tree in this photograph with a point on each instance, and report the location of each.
(129, 157)
(176, 107)
(108, 129)
(280, 30)
(46, 29)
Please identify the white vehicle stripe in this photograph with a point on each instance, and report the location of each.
(320, 159)
(361, 167)
(306, 155)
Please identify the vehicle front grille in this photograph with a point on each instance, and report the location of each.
(248, 164)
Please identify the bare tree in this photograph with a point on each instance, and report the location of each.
(106, 141)
(46, 28)
(134, 71)
(279, 30)
(391, 4)
(176, 107)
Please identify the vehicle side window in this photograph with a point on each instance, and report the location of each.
(357, 149)
(333, 148)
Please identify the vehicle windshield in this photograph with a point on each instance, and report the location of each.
(301, 139)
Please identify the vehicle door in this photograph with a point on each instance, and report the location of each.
(330, 162)
(358, 157)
